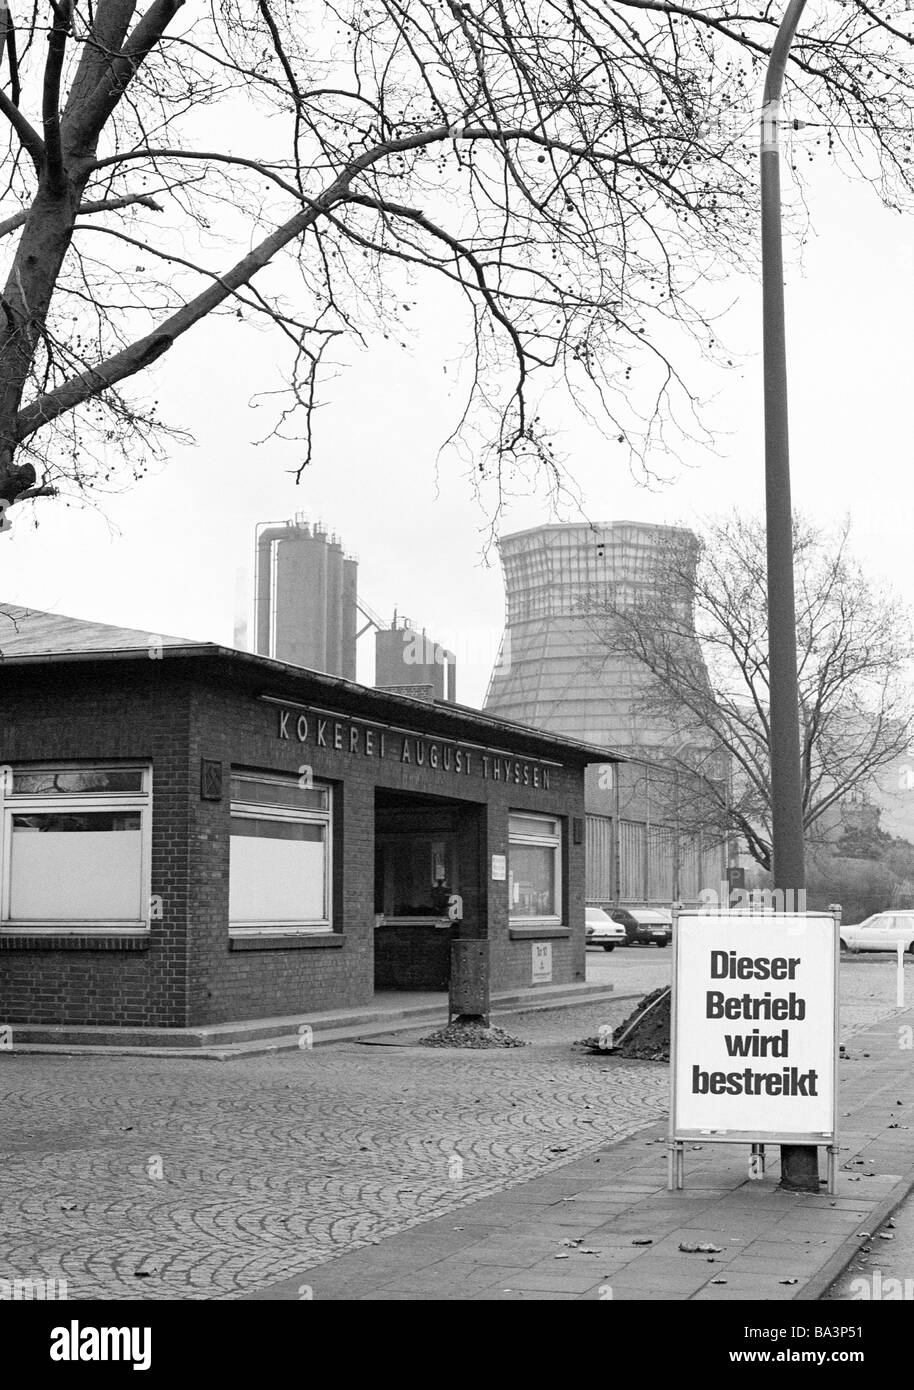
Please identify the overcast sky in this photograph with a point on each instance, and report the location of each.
(165, 555)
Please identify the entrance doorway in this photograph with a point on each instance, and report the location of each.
(427, 850)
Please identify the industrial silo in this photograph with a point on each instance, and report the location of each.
(406, 658)
(306, 594)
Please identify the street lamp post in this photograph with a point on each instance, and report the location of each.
(799, 1164)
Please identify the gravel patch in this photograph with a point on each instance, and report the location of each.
(473, 1035)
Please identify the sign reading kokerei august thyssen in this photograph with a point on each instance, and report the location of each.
(446, 758)
(754, 1047)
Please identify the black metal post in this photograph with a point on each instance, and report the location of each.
(799, 1163)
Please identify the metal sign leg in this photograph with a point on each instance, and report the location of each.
(675, 1166)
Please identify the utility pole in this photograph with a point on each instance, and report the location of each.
(799, 1163)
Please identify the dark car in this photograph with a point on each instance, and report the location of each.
(644, 925)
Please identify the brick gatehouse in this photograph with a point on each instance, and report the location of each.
(195, 835)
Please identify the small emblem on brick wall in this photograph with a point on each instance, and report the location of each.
(210, 779)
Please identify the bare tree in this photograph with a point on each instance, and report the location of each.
(574, 171)
(700, 636)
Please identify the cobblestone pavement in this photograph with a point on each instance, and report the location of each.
(273, 1163)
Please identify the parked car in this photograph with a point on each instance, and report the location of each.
(881, 932)
(644, 925)
(601, 930)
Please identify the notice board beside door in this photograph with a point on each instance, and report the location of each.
(754, 1037)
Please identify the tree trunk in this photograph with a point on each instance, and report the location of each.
(26, 298)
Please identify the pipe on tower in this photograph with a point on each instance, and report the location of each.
(262, 582)
(350, 618)
(333, 611)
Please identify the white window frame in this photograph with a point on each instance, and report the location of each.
(552, 841)
(22, 804)
(258, 810)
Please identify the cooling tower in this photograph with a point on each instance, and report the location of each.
(306, 599)
(556, 669)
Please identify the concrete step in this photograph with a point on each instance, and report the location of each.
(219, 1042)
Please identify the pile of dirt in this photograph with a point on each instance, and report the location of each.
(470, 1032)
(649, 1039)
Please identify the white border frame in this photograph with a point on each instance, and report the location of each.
(553, 842)
(11, 805)
(755, 1138)
(289, 814)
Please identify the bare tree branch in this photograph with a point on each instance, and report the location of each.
(86, 209)
(89, 118)
(50, 99)
(31, 141)
(575, 175)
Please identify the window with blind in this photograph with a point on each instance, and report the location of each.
(279, 855)
(76, 847)
(535, 869)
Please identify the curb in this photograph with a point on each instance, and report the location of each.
(837, 1263)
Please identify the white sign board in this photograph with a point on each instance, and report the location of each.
(754, 1044)
(499, 868)
(542, 962)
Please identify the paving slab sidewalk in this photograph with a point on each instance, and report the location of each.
(580, 1231)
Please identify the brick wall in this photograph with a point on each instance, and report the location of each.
(142, 714)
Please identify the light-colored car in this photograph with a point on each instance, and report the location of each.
(881, 932)
(601, 930)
